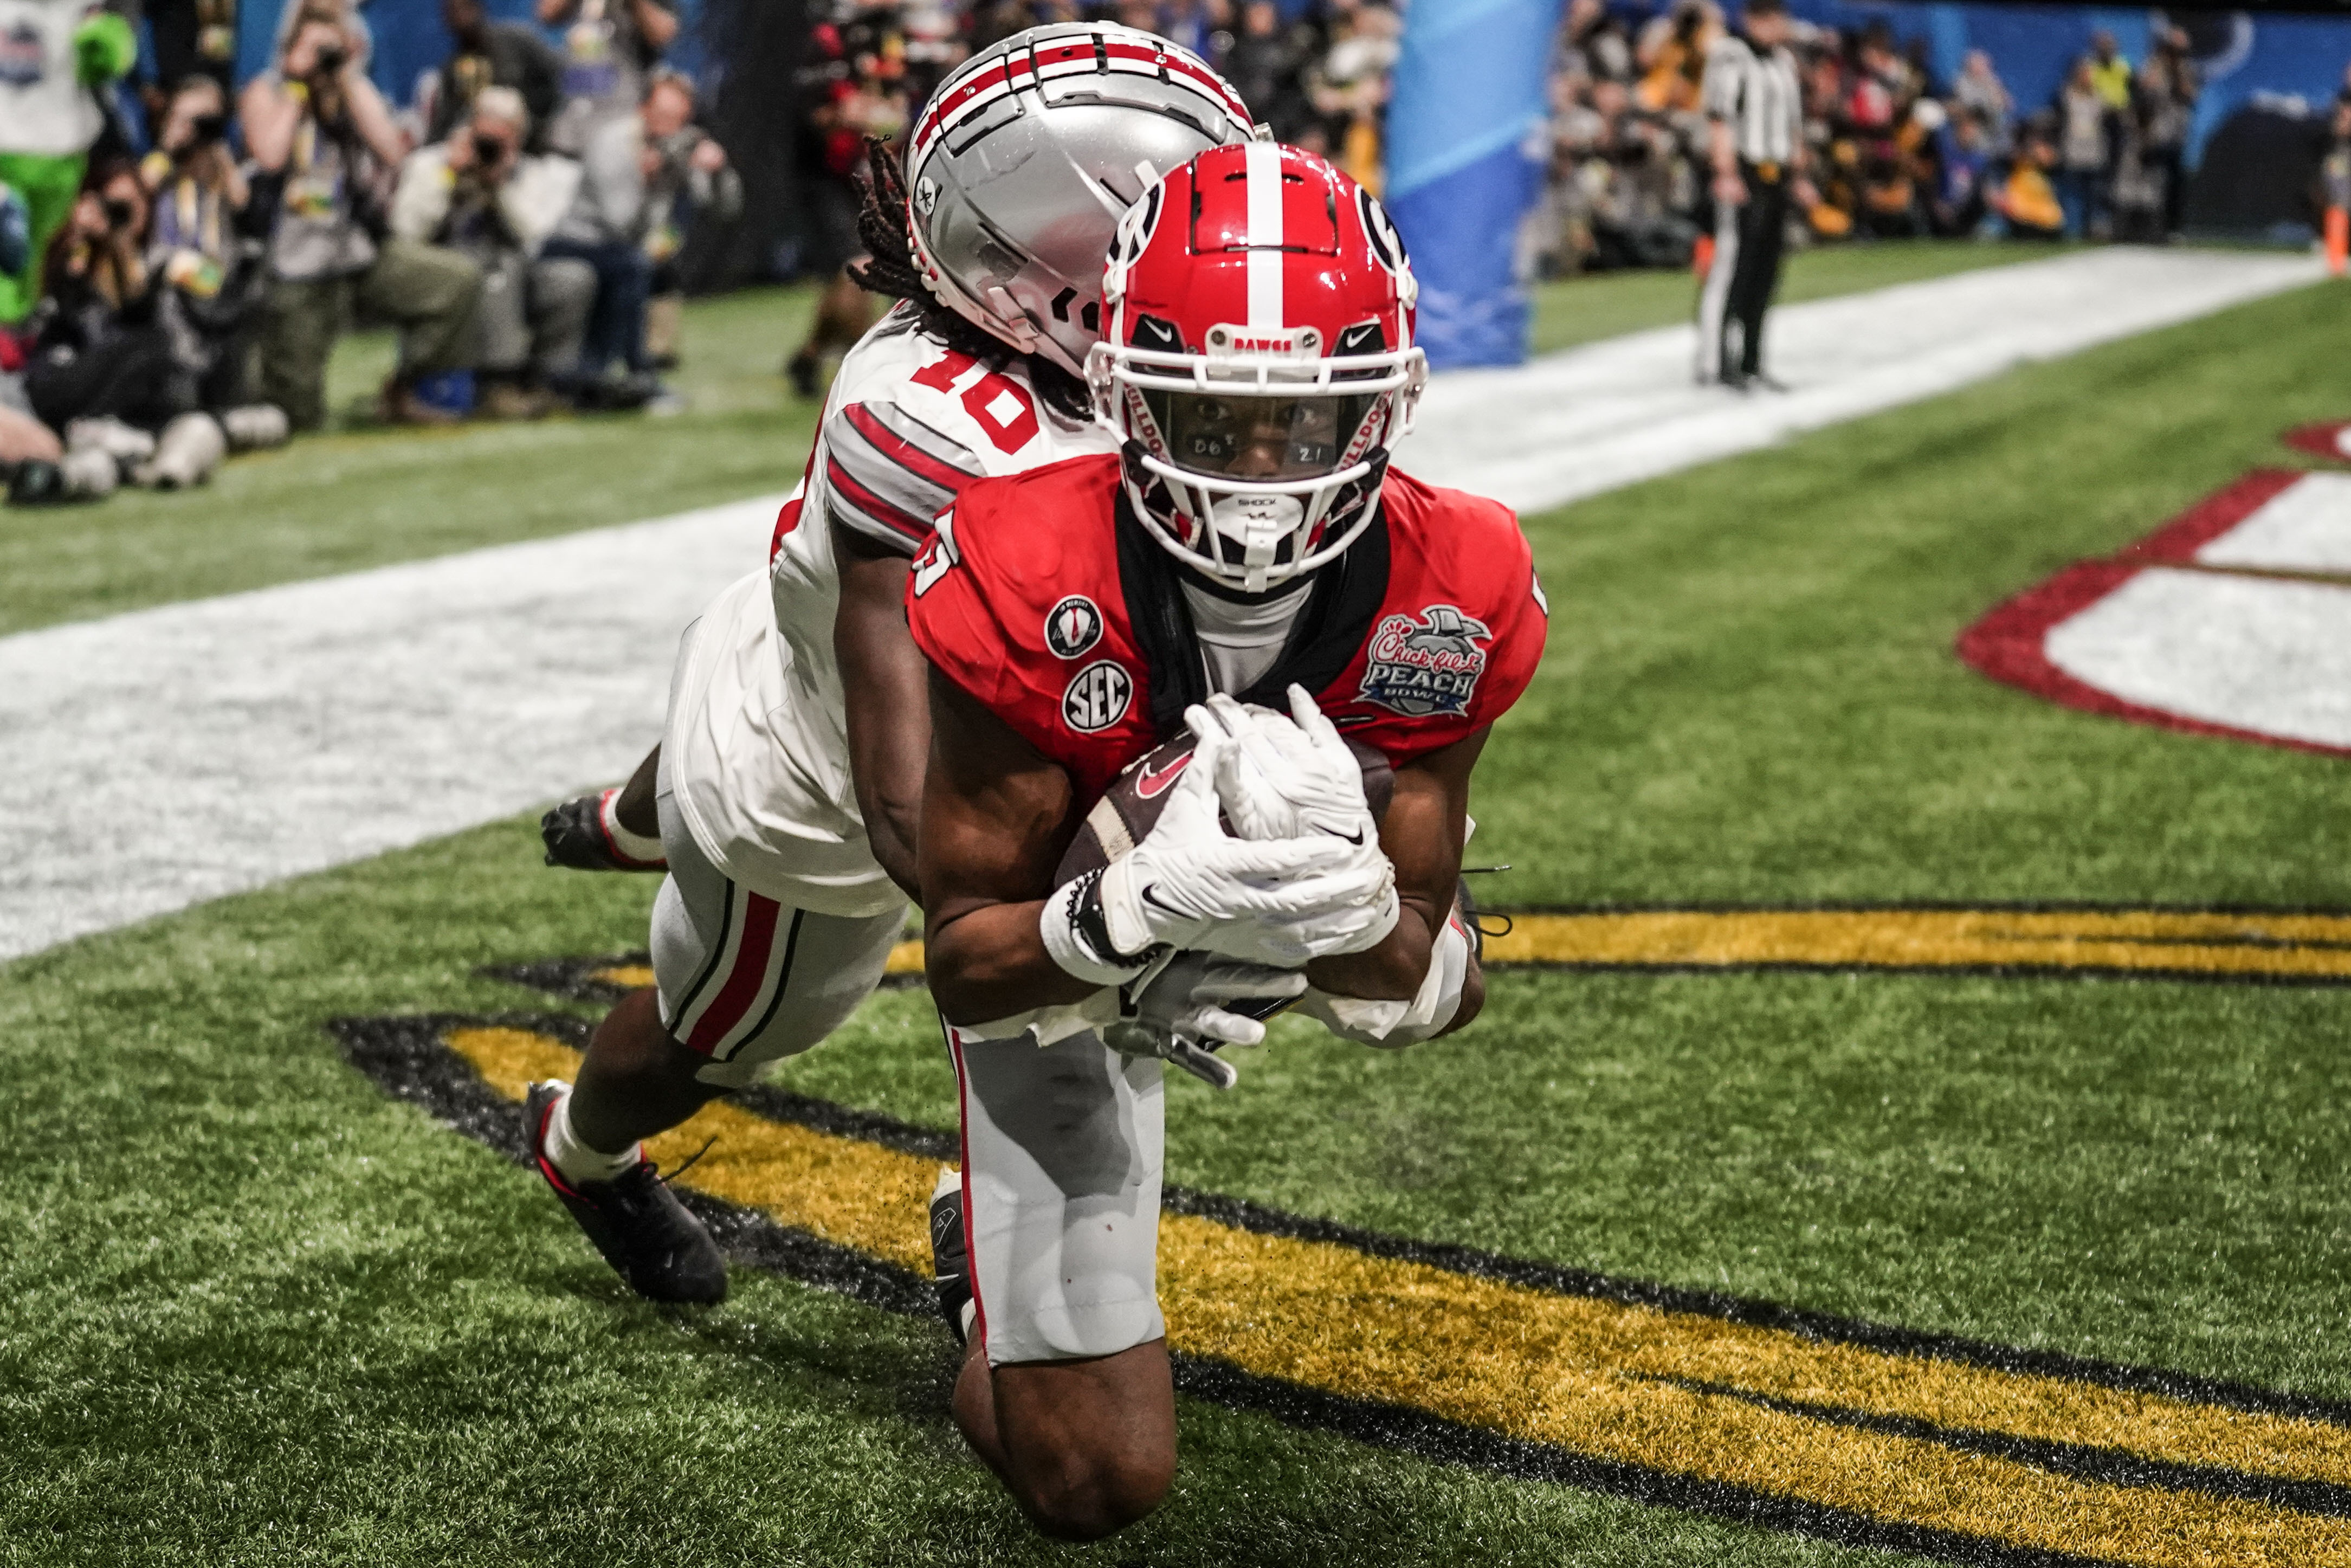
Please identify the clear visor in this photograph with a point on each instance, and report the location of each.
(1257, 437)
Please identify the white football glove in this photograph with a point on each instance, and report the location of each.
(1284, 778)
(1190, 885)
(1178, 1011)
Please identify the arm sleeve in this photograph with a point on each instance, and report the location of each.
(887, 474)
(1522, 623)
(948, 611)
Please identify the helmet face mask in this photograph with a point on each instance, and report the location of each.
(1259, 363)
(1018, 170)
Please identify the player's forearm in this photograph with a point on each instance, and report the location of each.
(990, 963)
(889, 711)
(1390, 972)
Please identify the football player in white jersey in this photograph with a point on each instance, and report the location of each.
(785, 812)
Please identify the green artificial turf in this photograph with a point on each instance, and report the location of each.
(251, 1312)
(1583, 310)
(364, 496)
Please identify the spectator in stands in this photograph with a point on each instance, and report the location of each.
(99, 351)
(621, 196)
(1963, 170)
(854, 87)
(1980, 91)
(316, 124)
(690, 178)
(610, 48)
(1266, 66)
(1672, 57)
(2110, 73)
(485, 54)
(204, 245)
(479, 193)
(2084, 151)
(60, 58)
(2165, 105)
(1349, 88)
(2026, 202)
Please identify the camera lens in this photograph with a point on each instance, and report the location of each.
(120, 212)
(489, 149)
(332, 57)
(206, 128)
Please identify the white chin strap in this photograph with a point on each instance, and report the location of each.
(1256, 526)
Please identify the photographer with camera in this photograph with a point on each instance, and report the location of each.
(626, 182)
(480, 194)
(318, 127)
(205, 244)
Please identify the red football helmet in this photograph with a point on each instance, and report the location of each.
(1257, 362)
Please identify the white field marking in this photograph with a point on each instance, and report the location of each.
(2253, 654)
(2306, 527)
(173, 755)
(1597, 418)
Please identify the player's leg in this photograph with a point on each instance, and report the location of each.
(612, 830)
(740, 981)
(1067, 1395)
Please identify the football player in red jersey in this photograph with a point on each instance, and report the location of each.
(1248, 542)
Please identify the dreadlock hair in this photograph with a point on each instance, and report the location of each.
(889, 268)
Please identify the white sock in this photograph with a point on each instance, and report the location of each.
(576, 1159)
(636, 846)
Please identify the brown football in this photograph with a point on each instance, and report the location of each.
(1131, 806)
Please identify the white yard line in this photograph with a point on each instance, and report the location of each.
(1611, 415)
(170, 755)
(160, 758)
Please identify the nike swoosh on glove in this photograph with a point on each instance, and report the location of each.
(1188, 884)
(1285, 778)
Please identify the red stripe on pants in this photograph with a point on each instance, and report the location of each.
(745, 980)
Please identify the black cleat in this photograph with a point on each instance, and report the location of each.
(575, 837)
(1767, 384)
(635, 1221)
(950, 1254)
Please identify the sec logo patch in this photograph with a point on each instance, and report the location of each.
(1073, 626)
(1097, 696)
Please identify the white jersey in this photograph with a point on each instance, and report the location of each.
(758, 750)
(44, 108)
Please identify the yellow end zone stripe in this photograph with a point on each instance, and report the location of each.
(2246, 945)
(1591, 1375)
(2143, 941)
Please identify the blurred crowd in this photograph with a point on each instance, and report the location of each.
(180, 259)
(172, 280)
(1894, 151)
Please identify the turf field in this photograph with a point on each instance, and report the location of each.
(255, 1309)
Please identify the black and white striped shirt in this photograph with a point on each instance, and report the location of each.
(1755, 92)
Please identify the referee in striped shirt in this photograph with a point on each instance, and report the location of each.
(1755, 111)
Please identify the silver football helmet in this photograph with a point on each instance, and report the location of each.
(1026, 156)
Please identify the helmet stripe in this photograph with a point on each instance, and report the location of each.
(1263, 165)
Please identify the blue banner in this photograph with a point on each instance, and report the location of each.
(1466, 139)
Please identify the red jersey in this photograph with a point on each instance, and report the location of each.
(1041, 596)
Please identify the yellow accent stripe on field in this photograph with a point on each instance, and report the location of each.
(2147, 941)
(1589, 1375)
(2299, 946)
(905, 959)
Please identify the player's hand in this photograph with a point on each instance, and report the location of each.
(1730, 190)
(1285, 779)
(1187, 998)
(1277, 902)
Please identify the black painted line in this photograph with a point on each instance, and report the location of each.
(2084, 1461)
(408, 1059)
(1552, 1278)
